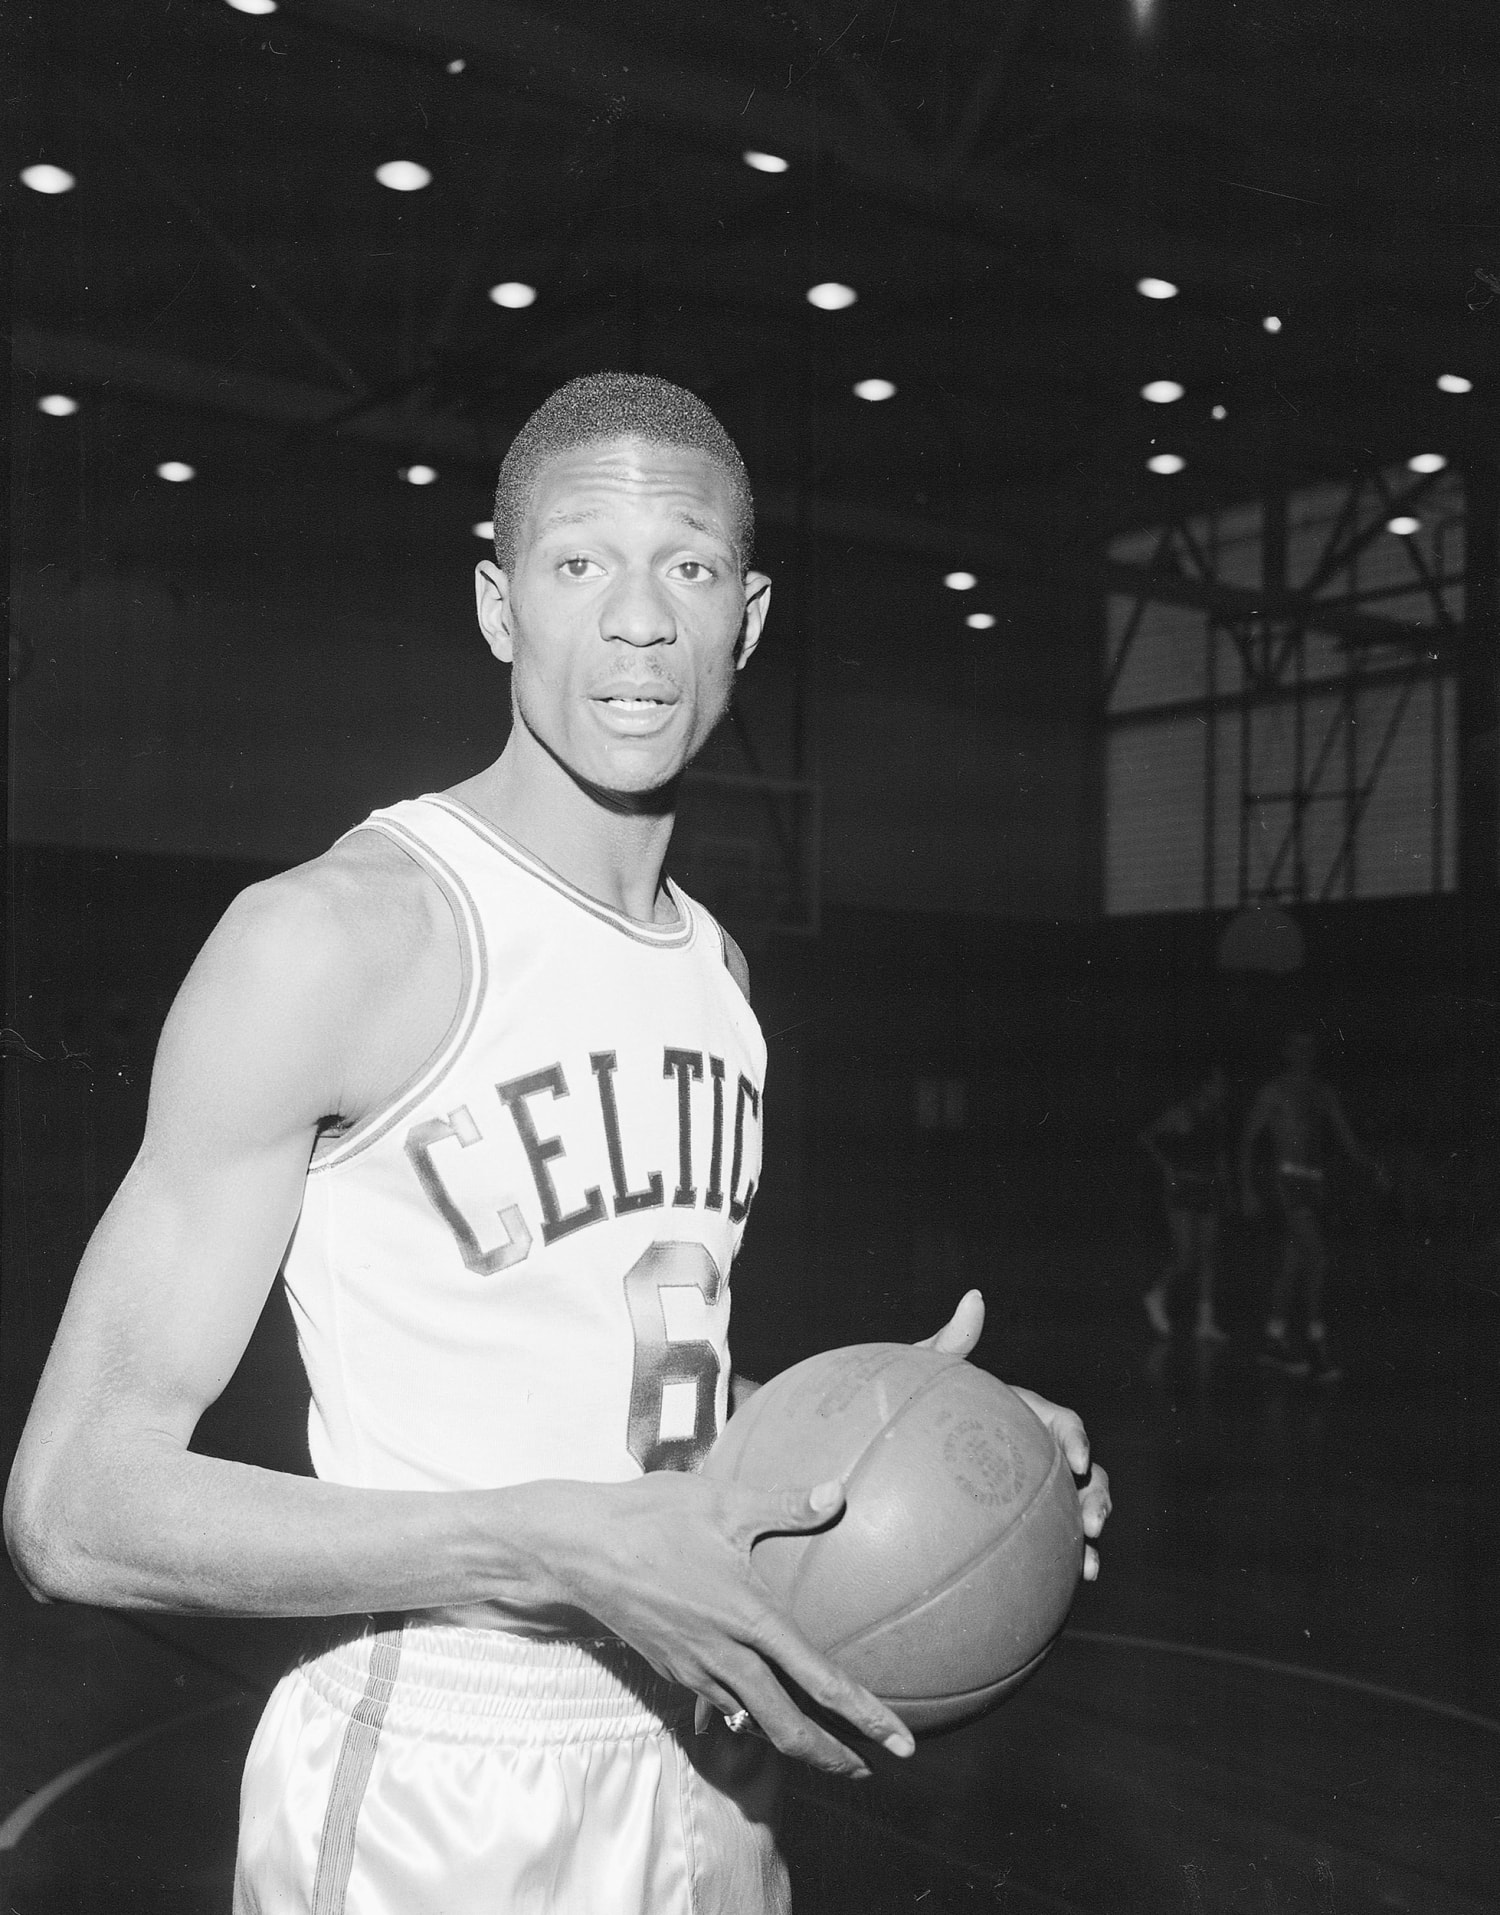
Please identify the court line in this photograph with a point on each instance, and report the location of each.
(40, 1800)
(988, 1877)
(1266, 1664)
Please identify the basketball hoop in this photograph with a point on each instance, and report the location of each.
(1262, 937)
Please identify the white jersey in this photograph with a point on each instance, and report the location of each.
(520, 1267)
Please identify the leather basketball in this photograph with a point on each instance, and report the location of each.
(951, 1570)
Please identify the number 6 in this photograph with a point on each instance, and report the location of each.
(660, 1361)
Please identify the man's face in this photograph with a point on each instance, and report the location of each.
(625, 615)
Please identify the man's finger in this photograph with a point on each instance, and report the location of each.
(1097, 1502)
(780, 1512)
(1073, 1441)
(961, 1332)
(1066, 1426)
(825, 1684)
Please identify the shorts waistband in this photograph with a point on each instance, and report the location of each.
(487, 1685)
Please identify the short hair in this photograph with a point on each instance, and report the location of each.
(615, 405)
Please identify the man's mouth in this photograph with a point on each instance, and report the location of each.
(626, 697)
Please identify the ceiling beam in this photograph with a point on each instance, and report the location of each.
(412, 427)
(529, 51)
(1235, 604)
(995, 69)
(197, 386)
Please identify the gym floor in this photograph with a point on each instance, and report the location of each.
(1279, 1697)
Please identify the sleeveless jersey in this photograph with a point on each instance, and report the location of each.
(520, 1267)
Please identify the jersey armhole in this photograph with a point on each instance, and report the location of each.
(734, 961)
(474, 967)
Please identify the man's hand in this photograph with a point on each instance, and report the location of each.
(956, 1338)
(1073, 1441)
(664, 1562)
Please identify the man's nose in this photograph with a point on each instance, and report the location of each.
(638, 611)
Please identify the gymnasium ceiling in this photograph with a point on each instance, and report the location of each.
(992, 177)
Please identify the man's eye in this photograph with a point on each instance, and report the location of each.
(693, 570)
(576, 568)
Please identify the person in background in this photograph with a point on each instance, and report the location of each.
(1189, 1144)
(1299, 1112)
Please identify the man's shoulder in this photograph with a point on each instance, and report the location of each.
(357, 906)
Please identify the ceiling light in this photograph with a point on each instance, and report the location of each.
(874, 389)
(253, 6)
(514, 293)
(980, 621)
(1426, 462)
(1150, 288)
(960, 581)
(403, 176)
(764, 162)
(1161, 392)
(1271, 323)
(456, 66)
(1454, 382)
(1218, 412)
(56, 405)
(47, 179)
(419, 474)
(175, 472)
(1166, 463)
(1404, 525)
(830, 297)
(484, 529)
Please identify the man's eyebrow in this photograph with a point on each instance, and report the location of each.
(568, 518)
(694, 521)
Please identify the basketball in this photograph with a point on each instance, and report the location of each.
(949, 1574)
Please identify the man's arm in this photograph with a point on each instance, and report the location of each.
(108, 1505)
(1352, 1148)
(1258, 1120)
(1170, 1123)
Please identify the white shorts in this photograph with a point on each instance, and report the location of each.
(473, 1772)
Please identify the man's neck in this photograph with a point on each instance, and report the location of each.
(616, 856)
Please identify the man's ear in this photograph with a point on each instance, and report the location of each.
(492, 602)
(757, 602)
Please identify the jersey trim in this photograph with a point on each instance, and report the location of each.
(734, 961)
(475, 976)
(352, 1777)
(669, 937)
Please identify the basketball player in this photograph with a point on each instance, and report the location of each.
(1298, 1111)
(1189, 1145)
(487, 1086)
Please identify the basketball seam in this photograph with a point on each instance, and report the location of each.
(859, 1463)
(1012, 1680)
(958, 1572)
(845, 1643)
